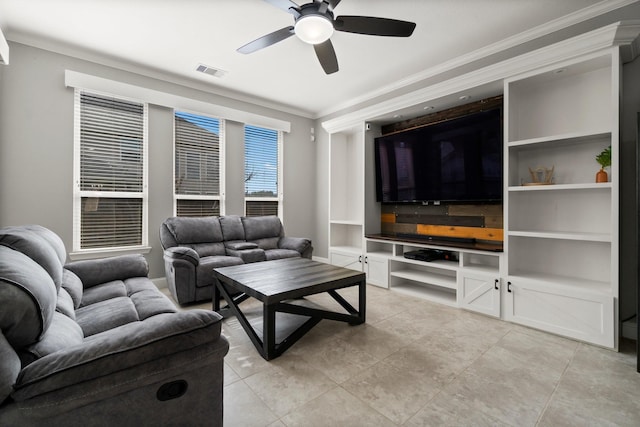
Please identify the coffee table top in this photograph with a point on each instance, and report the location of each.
(274, 281)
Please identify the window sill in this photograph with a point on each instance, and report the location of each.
(102, 253)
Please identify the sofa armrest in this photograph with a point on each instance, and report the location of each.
(182, 252)
(95, 271)
(120, 350)
(299, 244)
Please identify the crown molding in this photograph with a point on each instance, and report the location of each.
(505, 44)
(4, 49)
(618, 34)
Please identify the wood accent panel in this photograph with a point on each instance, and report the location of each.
(441, 116)
(462, 220)
(480, 233)
(388, 217)
(492, 214)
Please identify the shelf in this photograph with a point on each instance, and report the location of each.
(562, 187)
(562, 139)
(346, 222)
(436, 279)
(440, 264)
(439, 295)
(587, 237)
(571, 284)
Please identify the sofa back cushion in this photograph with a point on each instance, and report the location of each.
(263, 230)
(182, 231)
(232, 228)
(40, 244)
(27, 296)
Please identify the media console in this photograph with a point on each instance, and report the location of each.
(454, 242)
(457, 273)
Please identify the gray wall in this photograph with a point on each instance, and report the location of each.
(36, 149)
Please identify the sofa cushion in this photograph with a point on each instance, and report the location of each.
(261, 227)
(240, 245)
(64, 304)
(207, 249)
(73, 285)
(232, 228)
(248, 255)
(194, 230)
(62, 334)
(272, 254)
(27, 298)
(38, 248)
(207, 264)
(9, 368)
(120, 302)
(267, 243)
(95, 271)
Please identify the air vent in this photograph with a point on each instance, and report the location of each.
(215, 72)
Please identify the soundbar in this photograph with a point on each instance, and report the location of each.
(431, 238)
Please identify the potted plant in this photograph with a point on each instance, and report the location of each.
(604, 159)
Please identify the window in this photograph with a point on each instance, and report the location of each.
(110, 173)
(198, 168)
(262, 171)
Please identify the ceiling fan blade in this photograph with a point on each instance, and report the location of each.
(374, 26)
(268, 40)
(327, 56)
(285, 5)
(333, 4)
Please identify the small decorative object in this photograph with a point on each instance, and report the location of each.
(604, 159)
(541, 176)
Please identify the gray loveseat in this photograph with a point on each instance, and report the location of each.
(193, 247)
(94, 342)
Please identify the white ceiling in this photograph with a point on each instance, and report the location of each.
(170, 38)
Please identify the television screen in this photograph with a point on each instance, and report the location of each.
(456, 160)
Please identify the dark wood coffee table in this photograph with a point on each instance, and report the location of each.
(279, 285)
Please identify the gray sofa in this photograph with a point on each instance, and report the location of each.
(94, 342)
(193, 247)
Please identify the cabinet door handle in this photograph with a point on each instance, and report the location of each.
(360, 259)
(495, 283)
(366, 260)
(508, 286)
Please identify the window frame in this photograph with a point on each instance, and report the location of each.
(78, 194)
(279, 198)
(221, 166)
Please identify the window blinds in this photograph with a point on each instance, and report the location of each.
(261, 171)
(111, 172)
(197, 172)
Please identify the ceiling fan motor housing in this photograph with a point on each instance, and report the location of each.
(312, 24)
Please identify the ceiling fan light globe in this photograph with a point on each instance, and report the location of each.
(313, 29)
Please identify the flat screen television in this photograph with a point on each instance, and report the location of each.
(458, 160)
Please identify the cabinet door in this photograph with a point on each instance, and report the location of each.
(377, 269)
(480, 293)
(346, 260)
(570, 312)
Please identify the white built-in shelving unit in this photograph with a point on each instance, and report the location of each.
(562, 239)
(559, 268)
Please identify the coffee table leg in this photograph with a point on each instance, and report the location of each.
(362, 300)
(216, 295)
(269, 331)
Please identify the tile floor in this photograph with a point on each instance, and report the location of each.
(417, 363)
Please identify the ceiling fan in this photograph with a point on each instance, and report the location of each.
(315, 23)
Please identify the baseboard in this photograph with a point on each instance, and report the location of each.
(630, 329)
(320, 259)
(161, 282)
